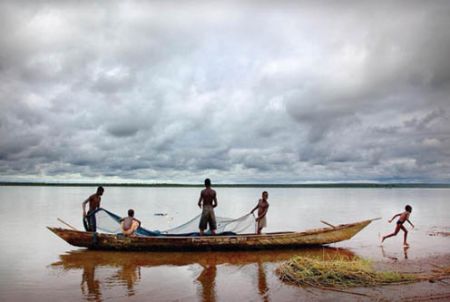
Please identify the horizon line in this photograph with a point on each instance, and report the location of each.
(273, 185)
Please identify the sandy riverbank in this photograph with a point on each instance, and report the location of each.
(418, 291)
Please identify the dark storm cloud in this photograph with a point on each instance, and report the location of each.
(239, 91)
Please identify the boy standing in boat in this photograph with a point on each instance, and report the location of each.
(401, 220)
(94, 204)
(207, 201)
(263, 207)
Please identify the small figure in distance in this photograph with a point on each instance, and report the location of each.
(263, 207)
(129, 224)
(207, 201)
(401, 220)
(94, 204)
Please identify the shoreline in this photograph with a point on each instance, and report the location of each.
(423, 265)
(438, 290)
(418, 291)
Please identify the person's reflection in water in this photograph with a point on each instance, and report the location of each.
(129, 274)
(385, 255)
(263, 290)
(207, 279)
(405, 251)
(88, 280)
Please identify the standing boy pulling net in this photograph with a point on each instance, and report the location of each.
(262, 207)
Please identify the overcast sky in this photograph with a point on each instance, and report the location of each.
(241, 92)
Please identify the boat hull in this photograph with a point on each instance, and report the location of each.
(315, 237)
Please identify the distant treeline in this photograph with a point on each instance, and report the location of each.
(328, 185)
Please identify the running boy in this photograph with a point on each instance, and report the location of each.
(401, 220)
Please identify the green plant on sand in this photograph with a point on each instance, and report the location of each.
(338, 273)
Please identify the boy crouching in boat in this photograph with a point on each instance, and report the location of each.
(263, 207)
(401, 220)
(129, 224)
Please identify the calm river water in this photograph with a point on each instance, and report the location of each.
(35, 265)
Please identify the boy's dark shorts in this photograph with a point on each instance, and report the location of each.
(208, 217)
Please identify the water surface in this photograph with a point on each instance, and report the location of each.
(36, 265)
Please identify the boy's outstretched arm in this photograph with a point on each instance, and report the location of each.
(410, 223)
(396, 215)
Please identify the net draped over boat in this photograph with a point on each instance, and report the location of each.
(109, 222)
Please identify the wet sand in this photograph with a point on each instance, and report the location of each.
(432, 290)
(438, 290)
(418, 291)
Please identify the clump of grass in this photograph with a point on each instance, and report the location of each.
(338, 273)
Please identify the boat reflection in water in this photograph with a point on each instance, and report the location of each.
(112, 271)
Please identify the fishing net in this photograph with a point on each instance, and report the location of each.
(241, 225)
(109, 222)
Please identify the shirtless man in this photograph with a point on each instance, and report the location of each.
(129, 225)
(94, 204)
(403, 217)
(208, 200)
(263, 207)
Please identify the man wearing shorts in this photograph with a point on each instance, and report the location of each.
(207, 201)
(262, 207)
(94, 203)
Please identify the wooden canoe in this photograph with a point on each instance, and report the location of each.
(314, 237)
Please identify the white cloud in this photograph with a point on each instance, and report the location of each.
(242, 92)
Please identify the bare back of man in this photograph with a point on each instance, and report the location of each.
(207, 201)
(208, 196)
